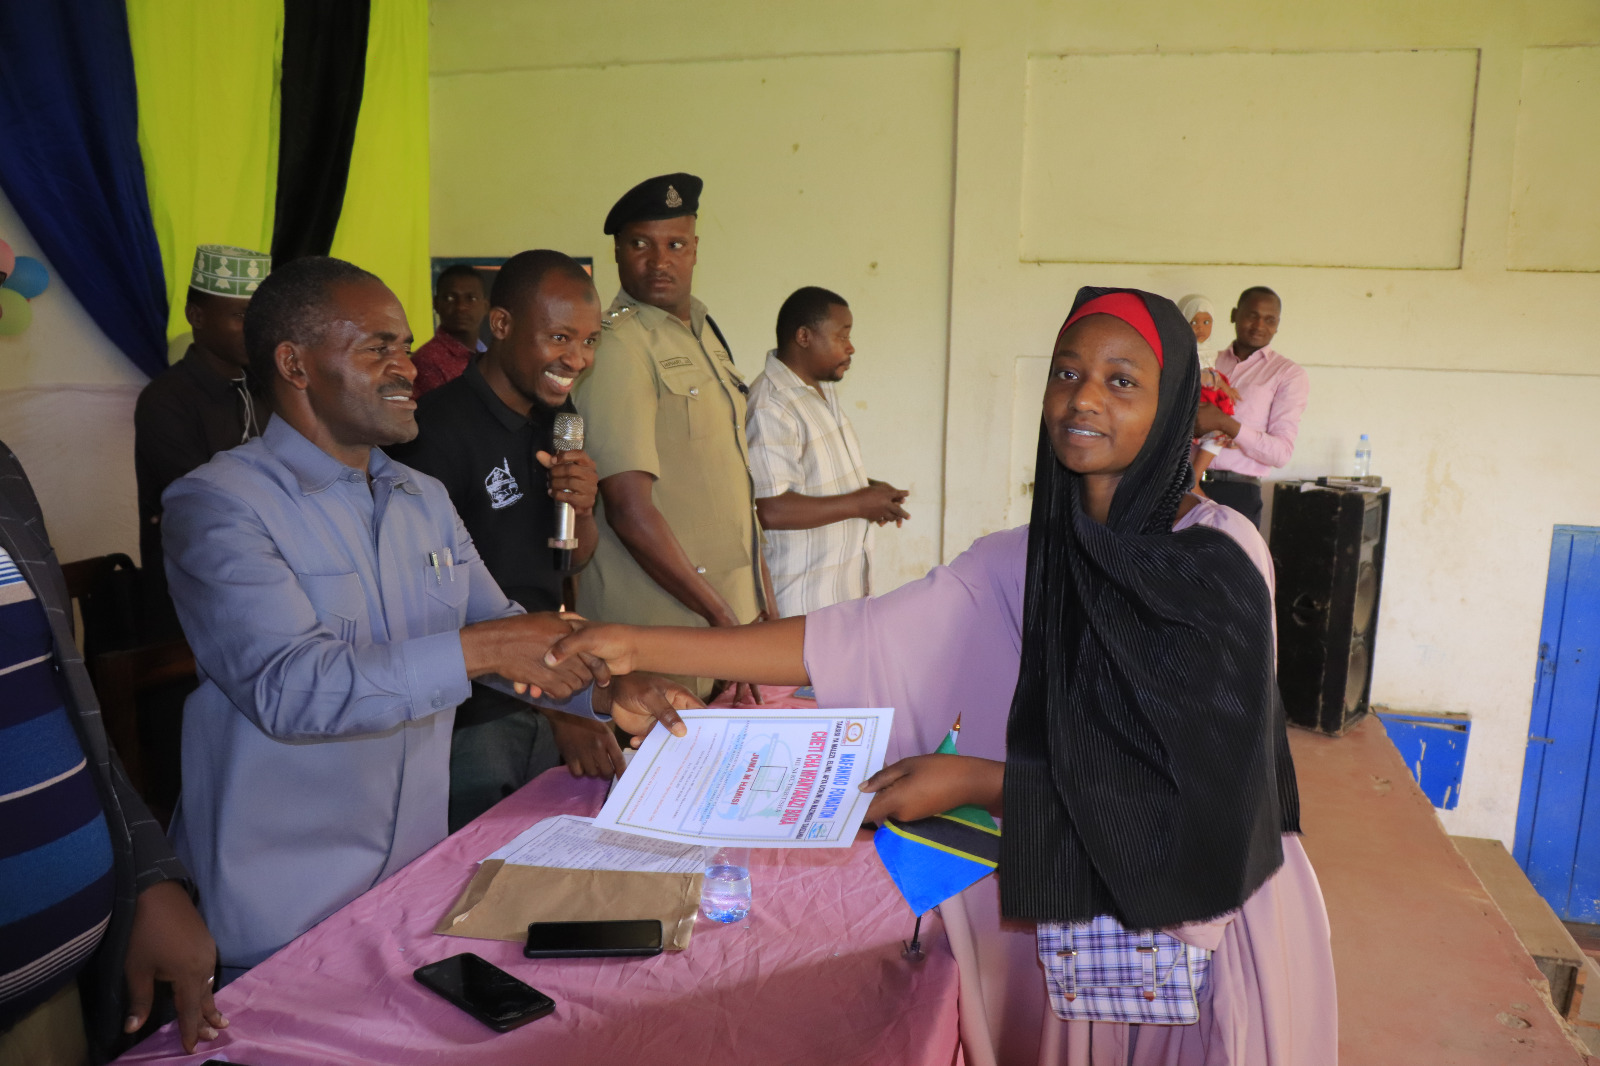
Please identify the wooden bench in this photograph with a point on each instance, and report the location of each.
(1554, 951)
(1430, 971)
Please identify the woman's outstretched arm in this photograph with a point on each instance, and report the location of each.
(762, 653)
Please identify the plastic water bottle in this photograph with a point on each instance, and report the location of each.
(726, 894)
(1363, 457)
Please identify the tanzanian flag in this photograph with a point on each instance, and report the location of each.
(932, 859)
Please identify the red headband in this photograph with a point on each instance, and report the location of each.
(1130, 309)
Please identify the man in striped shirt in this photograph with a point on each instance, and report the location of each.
(94, 906)
(813, 495)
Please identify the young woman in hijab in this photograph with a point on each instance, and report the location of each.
(1113, 662)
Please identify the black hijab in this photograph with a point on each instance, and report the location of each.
(1147, 765)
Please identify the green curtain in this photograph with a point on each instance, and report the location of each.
(207, 73)
(384, 225)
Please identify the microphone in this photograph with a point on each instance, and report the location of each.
(567, 437)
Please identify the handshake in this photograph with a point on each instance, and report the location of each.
(516, 648)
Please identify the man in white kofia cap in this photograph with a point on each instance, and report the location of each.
(202, 404)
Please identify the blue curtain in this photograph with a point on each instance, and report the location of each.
(70, 164)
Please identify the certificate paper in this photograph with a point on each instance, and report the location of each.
(568, 842)
(750, 777)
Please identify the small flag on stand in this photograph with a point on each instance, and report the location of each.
(932, 859)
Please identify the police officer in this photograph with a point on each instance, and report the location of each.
(664, 411)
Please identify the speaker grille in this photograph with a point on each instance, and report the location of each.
(1366, 597)
(1355, 685)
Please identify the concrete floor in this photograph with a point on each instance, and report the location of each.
(1429, 972)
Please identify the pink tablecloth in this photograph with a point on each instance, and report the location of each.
(813, 976)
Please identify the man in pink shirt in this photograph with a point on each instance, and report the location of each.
(460, 301)
(1266, 419)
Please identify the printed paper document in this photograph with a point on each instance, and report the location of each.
(568, 842)
(753, 777)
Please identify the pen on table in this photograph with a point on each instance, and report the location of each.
(433, 561)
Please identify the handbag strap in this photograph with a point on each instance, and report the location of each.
(1147, 958)
(1068, 954)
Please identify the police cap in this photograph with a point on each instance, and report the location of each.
(667, 196)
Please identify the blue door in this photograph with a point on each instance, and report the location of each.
(1558, 816)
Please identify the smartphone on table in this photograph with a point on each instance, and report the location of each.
(485, 991)
(572, 940)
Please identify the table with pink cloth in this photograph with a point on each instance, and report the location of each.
(814, 975)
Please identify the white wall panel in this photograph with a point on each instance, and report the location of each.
(1327, 159)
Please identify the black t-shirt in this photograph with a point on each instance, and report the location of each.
(483, 451)
(187, 414)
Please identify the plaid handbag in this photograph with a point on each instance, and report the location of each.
(1097, 971)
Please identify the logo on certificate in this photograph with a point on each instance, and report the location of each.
(854, 732)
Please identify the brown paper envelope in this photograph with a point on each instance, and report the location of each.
(501, 899)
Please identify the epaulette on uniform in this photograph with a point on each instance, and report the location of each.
(615, 315)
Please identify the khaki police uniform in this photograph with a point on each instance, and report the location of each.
(664, 397)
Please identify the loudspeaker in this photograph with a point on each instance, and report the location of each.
(1327, 550)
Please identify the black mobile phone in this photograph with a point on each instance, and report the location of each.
(485, 991)
(563, 940)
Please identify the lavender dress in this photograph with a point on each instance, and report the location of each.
(951, 643)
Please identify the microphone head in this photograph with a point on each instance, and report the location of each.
(568, 435)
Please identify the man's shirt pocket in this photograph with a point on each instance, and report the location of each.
(339, 601)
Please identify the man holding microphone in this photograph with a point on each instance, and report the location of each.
(489, 437)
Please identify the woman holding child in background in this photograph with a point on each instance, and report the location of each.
(1214, 385)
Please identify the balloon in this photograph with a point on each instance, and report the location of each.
(29, 277)
(8, 258)
(15, 313)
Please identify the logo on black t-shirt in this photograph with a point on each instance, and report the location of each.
(502, 488)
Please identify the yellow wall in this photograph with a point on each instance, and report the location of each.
(1148, 117)
(855, 198)
(1434, 325)
(1555, 215)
